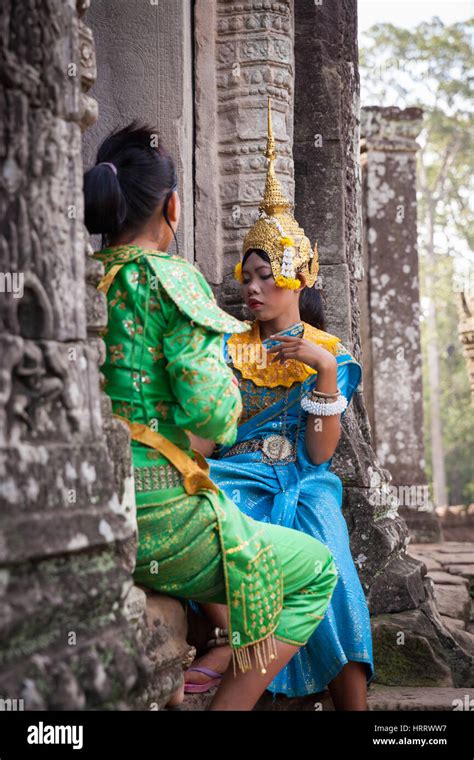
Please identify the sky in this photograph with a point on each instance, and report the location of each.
(408, 13)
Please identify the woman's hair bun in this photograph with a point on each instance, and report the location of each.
(105, 207)
(123, 201)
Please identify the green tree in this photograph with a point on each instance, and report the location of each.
(430, 67)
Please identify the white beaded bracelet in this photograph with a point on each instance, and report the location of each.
(322, 409)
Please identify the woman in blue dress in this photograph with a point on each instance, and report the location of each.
(295, 389)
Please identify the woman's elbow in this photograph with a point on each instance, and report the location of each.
(220, 424)
(319, 458)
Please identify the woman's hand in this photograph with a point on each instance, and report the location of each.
(302, 350)
(205, 446)
(322, 432)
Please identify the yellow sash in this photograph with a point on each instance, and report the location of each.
(195, 472)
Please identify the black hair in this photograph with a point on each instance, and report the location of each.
(122, 201)
(310, 304)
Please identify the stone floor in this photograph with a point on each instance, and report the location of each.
(450, 564)
(380, 698)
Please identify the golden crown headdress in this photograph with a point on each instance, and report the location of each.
(277, 232)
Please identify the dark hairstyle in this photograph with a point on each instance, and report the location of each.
(122, 202)
(311, 304)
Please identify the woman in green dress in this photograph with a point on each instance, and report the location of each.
(167, 379)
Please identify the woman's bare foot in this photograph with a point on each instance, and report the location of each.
(217, 659)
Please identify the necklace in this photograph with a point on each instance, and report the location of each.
(276, 447)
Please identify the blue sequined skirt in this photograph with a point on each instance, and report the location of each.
(308, 500)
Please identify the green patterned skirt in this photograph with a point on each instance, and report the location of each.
(277, 582)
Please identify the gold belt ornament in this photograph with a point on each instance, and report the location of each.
(195, 471)
(275, 448)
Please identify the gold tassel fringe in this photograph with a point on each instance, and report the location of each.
(264, 652)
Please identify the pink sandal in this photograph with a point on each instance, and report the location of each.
(198, 688)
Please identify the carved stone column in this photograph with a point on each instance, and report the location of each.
(328, 206)
(67, 523)
(466, 328)
(243, 52)
(160, 621)
(390, 300)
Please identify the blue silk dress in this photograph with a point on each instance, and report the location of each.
(308, 498)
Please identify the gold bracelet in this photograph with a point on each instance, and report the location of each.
(320, 394)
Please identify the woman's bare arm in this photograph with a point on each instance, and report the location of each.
(323, 433)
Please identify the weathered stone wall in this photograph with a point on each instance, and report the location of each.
(144, 60)
(390, 297)
(466, 329)
(393, 299)
(328, 205)
(67, 523)
(326, 152)
(243, 53)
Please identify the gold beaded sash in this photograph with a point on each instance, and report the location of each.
(156, 477)
(195, 471)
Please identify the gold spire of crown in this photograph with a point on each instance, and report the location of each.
(277, 232)
(273, 200)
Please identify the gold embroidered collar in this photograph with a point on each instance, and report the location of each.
(250, 357)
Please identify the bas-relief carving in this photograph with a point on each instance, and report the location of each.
(251, 63)
(29, 232)
(49, 390)
(160, 656)
(88, 72)
(52, 428)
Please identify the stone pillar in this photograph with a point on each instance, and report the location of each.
(254, 56)
(328, 206)
(67, 521)
(390, 300)
(243, 52)
(153, 88)
(466, 328)
(160, 622)
(326, 152)
(144, 59)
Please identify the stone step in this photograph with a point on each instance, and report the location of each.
(197, 702)
(383, 698)
(453, 623)
(431, 564)
(450, 579)
(445, 547)
(451, 558)
(446, 561)
(466, 571)
(453, 601)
